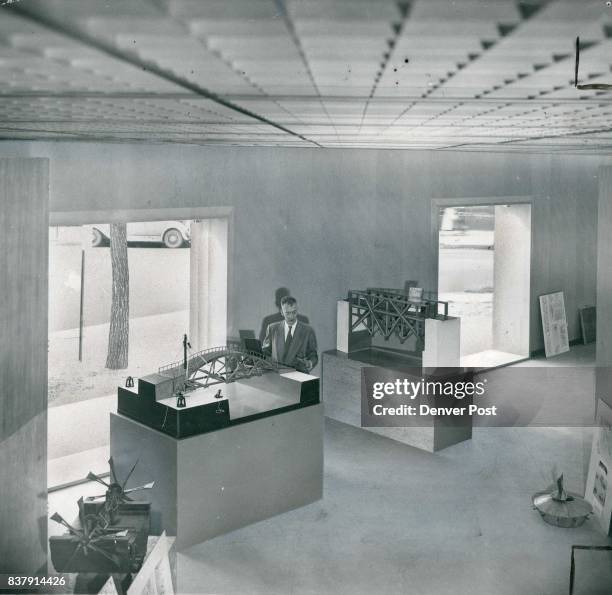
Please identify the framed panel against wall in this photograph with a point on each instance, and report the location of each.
(588, 323)
(598, 489)
(554, 323)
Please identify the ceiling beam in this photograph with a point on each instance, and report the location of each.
(102, 120)
(283, 11)
(298, 98)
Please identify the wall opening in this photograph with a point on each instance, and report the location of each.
(484, 273)
(178, 273)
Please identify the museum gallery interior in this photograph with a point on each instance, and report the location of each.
(429, 180)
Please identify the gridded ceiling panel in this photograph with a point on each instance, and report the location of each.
(410, 74)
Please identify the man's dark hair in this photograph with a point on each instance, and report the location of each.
(288, 301)
(279, 294)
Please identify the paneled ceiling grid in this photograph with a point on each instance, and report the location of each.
(206, 22)
(541, 50)
(348, 44)
(435, 74)
(430, 68)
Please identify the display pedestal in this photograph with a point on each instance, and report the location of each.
(341, 394)
(209, 484)
(442, 343)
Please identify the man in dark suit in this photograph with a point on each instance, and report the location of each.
(279, 294)
(290, 341)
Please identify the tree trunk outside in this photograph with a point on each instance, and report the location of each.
(118, 336)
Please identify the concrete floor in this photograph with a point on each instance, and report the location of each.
(398, 520)
(395, 519)
(489, 358)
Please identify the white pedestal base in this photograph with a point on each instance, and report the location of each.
(442, 343)
(213, 483)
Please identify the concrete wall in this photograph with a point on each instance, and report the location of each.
(512, 271)
(323, 221)
(603, 386)
(24, 226)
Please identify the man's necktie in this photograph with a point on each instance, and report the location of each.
(288, 340)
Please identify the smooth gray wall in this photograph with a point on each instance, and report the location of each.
(24, 227)
(324, 221)
(603, 386)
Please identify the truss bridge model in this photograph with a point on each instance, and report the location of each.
(213, 389)
(391, 312)
(224, 364)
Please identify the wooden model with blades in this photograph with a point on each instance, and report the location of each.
(110, 534)
(89, 547)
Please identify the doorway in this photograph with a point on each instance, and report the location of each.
(484, 256)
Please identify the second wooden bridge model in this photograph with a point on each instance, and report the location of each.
(388, 312)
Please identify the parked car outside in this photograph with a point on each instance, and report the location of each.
(172, 234)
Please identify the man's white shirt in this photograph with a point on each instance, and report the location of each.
(287, 327)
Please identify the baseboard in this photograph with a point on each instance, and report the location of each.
(539, 352)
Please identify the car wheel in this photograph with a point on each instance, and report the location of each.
(172, 238)
(98, 238)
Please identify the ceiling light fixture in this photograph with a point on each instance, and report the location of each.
(591, 86)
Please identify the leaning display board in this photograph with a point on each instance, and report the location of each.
(590, 569)
(554, 323)
(588, 324)
(599, 481)
(155, 576)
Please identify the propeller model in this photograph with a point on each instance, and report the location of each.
(590, 86)
(89, 536)
(107, 536)
(116, 492)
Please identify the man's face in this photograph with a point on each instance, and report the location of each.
(289, 313)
